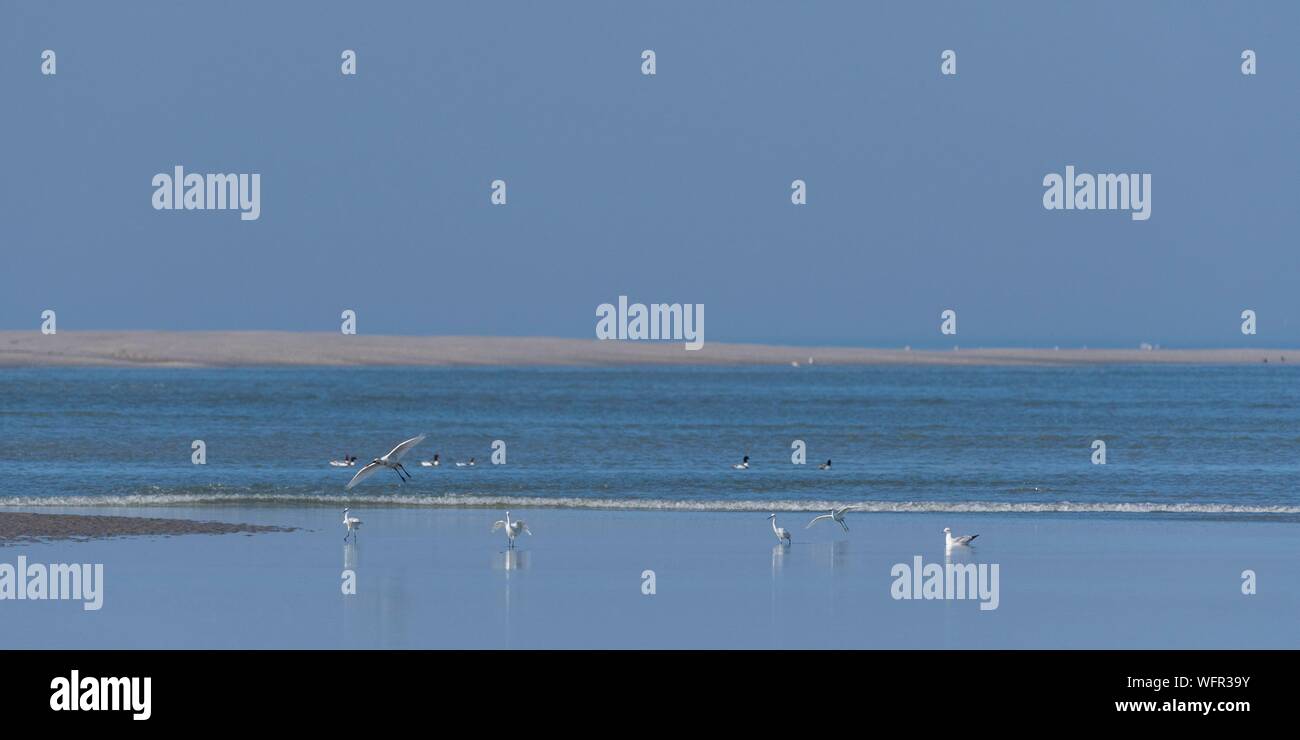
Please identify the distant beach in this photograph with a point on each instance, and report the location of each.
(248, 348)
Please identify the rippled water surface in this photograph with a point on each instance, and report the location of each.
(1210, 440)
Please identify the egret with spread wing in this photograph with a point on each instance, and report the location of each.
(513, 529)
(392, 460)
(836, 515)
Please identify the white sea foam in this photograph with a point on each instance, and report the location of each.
(570, 502)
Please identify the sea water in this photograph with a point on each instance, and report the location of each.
(1205, 440)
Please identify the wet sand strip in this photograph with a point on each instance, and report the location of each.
(27, 527)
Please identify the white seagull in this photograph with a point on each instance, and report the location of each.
(836, 515)
(392, 460)
(781, 534)
(512, 528)
(353, 524)
(949, 540)
(743, 464)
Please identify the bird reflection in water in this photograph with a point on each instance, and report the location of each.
(959, 555)
(778, 557)
(511, 560)
(350, 556)
(839, 554)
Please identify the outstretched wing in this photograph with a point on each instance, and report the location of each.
(364, 473)
(817, 519)
(846, 510)
(405, 447)
(498, 524)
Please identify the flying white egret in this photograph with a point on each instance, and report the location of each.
(512, 528)
(392, 460)
(949, 540)
(353, 524)
(825, 466)
(743, 464)
(781, 534)
(836, 515)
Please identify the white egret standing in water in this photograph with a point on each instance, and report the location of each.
(353, 524)
(781, 534)
(512, 528)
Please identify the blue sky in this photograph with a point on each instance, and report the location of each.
(925, 192)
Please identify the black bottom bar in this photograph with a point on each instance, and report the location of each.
(941, 689)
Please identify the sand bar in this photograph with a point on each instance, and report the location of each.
(22, 527)
(221, 348)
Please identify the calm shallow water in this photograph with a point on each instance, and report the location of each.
(437, 577)
(1210, 440)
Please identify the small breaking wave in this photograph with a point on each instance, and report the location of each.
(469, 500)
